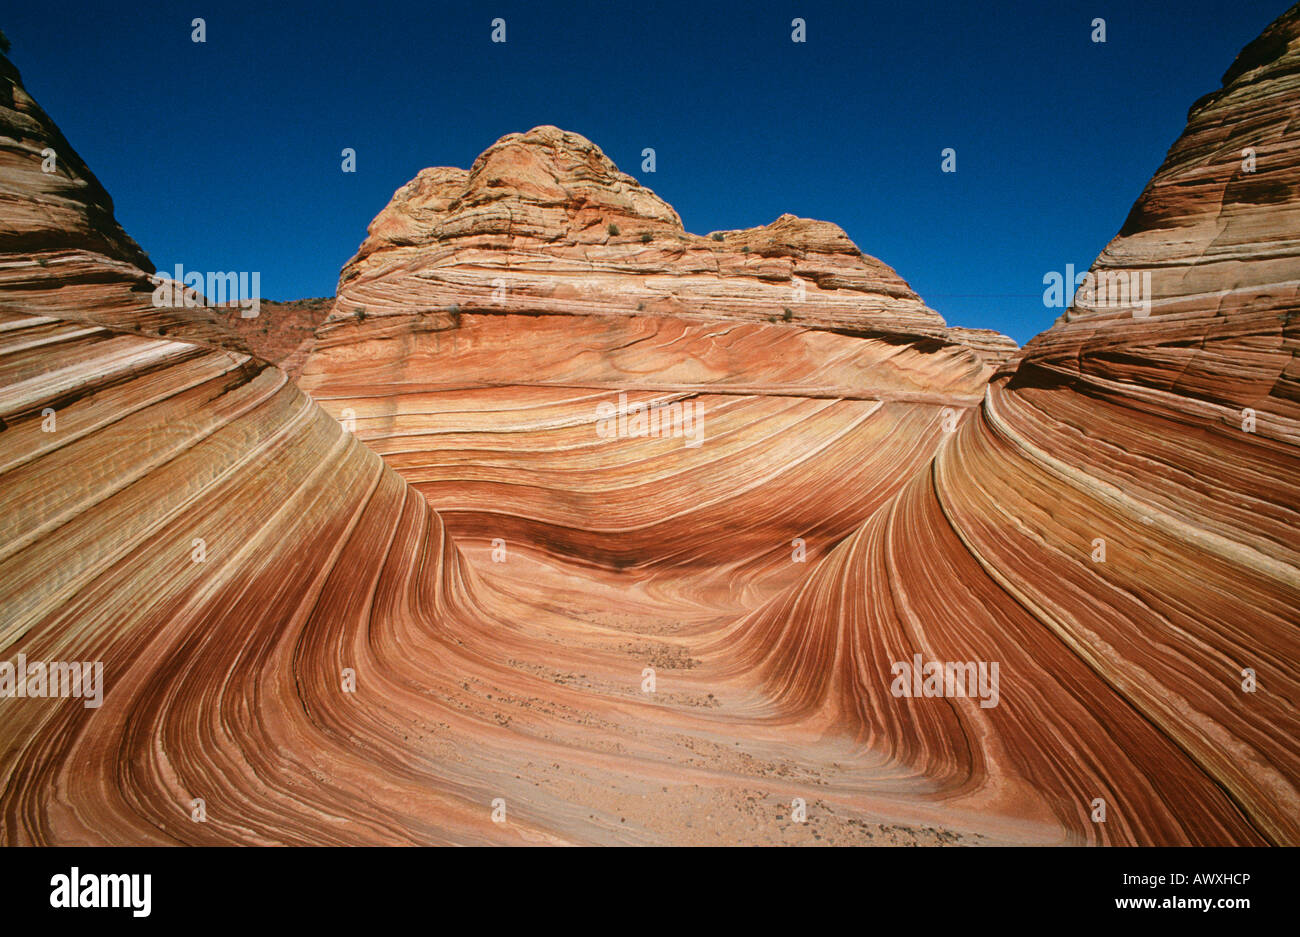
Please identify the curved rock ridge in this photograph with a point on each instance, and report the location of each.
(455, 589)
(545, 223)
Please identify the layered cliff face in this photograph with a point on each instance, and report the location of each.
(579, 536)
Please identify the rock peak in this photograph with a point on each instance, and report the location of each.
(542, 185)
(548, 166)
(544, 222)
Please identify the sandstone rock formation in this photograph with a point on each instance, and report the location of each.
(544, 224)
(419, 600)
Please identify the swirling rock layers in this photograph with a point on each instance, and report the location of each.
(455, 589)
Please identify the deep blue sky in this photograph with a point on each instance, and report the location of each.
(226, 155)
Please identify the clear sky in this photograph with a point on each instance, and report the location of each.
(225, 155)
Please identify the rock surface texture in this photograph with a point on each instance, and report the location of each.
(621, 533)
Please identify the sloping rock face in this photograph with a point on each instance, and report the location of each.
(533, 565)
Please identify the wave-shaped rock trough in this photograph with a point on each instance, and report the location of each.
(441, 509)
